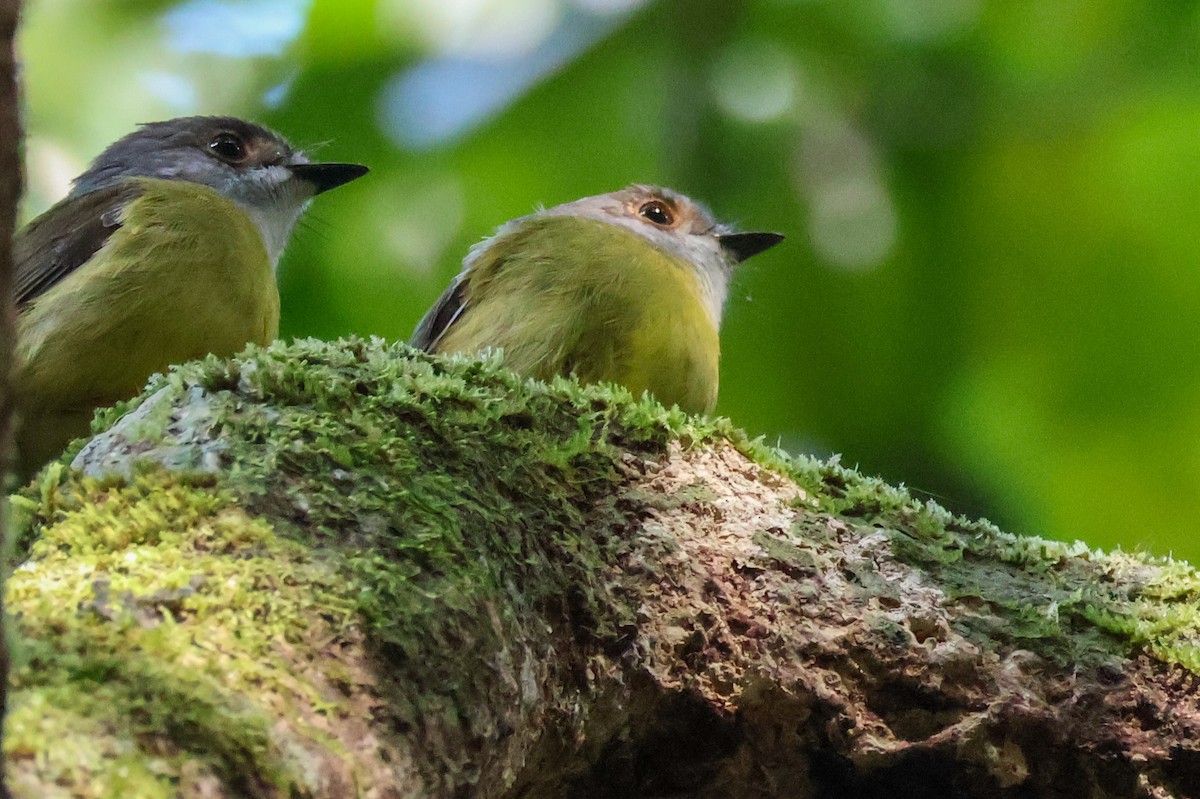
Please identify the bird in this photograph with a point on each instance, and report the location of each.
(163, 251)
(626, 287)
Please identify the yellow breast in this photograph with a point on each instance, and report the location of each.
(565, 295)
(185, 275)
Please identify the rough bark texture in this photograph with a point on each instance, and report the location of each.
(10, 192)
(331, 570)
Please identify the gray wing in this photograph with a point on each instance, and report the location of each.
(61, 240)
(440, 317)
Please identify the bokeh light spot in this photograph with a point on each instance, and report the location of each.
(755, 80)
(246, 28)
(424, 218)
(442, 98)
(50, 168)
(474, 28)
(852, 219)
(930, 20)
(175, 90)
(609, 6)
(853, 223)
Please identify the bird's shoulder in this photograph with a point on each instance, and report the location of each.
(513, 262)
(60, 241)
(63, 238)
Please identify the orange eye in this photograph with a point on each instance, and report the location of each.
(228, 147)
(657, 212)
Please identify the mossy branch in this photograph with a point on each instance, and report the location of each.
(349, 569)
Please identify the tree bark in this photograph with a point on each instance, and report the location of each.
(10, 193)
(348, 569)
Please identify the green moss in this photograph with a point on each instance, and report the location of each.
(152, 610)
(443, 502)
(1063, 601)
(71, 743)
(436, 488)
(409, 465)
(412, 466)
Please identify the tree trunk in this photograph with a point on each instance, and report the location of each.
(10, 192)
(336, 570)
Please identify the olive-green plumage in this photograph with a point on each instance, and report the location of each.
(185, 274)
(625, 287)
(164, 251)
(568, 295)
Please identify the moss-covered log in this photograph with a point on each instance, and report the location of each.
(349, 570)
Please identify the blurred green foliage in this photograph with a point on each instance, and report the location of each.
(991, 284)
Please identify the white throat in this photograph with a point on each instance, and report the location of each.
(714, 289)
(274, 199)
(275, 223)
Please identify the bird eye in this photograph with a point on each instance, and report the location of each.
(657, 212)
(228, 147)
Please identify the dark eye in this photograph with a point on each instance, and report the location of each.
(228, 147)
(657, 212)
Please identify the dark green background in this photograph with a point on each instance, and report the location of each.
(990, 287)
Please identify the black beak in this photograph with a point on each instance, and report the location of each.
(324, 177)
(741, 246)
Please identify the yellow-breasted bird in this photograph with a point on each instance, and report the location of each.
(163, 251)
(626, 287)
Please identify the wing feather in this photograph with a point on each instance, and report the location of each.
(439, 319)
(61, 240)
